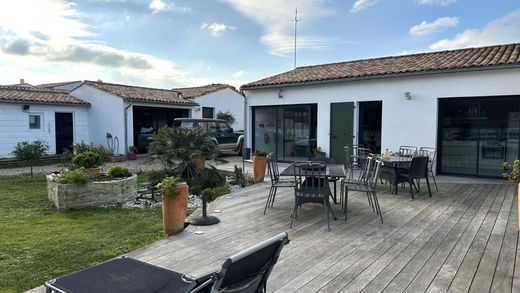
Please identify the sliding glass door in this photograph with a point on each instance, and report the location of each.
(287, 131)
(477, 135)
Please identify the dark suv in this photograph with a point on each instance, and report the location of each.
(225, 138)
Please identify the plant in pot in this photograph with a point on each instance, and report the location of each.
(132, 153)
(180, 148)
(174, 204)
(88, 160)
(259, 165)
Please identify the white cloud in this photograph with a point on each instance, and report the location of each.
(500, 31)
(436, 2)
(362, 4)
(157, 6)
(239, 73)
(217, 29)
(437, 25)
(275, 17)
(42, 36)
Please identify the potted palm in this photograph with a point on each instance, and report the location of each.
(174, 204)
(259, 165)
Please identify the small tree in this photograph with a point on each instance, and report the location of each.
(227, 116)
(30, 151)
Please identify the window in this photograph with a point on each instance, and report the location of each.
(35, 121)
(212, 127)
(208, 112)
(224, 127)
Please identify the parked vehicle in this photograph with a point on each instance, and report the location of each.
(225, 137)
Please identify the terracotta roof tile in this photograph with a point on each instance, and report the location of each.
(194, 92)
(141, 94)
(56, 84)
(38, 95)
(482, 57)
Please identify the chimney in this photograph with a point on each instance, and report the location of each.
(22, 81)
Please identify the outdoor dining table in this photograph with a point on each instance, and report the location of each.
(334, 171)
(394, 162)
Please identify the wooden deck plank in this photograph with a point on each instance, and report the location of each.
(464, 276)
(342, 250)
(424, 278)
(370, 273)
(486, 269)
(502, 281)
(433, 236)
(370, 248)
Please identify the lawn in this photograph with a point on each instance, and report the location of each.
(37, 243)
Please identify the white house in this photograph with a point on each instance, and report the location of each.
(122, 115)
(216, 98)
(28, 114)
(466, 103)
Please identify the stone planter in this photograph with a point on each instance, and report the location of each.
(92, 194)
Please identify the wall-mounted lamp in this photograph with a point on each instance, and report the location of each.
(280, 94)
(197, 109)
(407, 95)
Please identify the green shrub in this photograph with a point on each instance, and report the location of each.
(78, 176)
(208, 178)
(168, 186)
(87, 160)
(155, 177)
(195, 189)
(102, 151)
(260, 152)
(119, 172)
(213, 193)
(239, 178)
(30, 151)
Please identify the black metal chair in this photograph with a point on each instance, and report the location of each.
(243, 272)
(361, 178)
(312, 186)
(277, 181)
(369, 186)
(334, 180)
(418, 170)
(355, 157)
(431, 153)
(407, 151)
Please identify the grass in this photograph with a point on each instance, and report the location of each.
(37, 243)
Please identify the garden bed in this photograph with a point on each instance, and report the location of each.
(92, 194)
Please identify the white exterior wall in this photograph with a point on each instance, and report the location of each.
(404, 122)
(105, 115)
(225, 100)
(14, 125)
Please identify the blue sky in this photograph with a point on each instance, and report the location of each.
(172, 43)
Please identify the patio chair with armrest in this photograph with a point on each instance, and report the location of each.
(417, 170)
(369, 185)
(334, 180)
(431, 154)
(362, 178)
(277, 181)
(312, 186)
(407, 151)
(244, 272)
(355, 157)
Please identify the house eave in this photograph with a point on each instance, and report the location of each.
(384, 76)
(45, 103)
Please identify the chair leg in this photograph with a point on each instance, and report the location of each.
(268, 198)
(434, 181)
(274, 195)
(411, 187)
(370, 201)
(378, 207)
(341, 193)
(345, 203)
(327, 210)
(294, 213)
(428, 184)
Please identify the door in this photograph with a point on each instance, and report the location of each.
(64, 132)
(369, 133)
(341, 133)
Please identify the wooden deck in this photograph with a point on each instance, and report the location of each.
(463, 239)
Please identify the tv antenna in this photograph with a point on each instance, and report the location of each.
(295, 33)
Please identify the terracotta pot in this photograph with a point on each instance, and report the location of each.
(174, 210)
(93, 172)
(259, 164)
(200, 163)
(132, 156)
